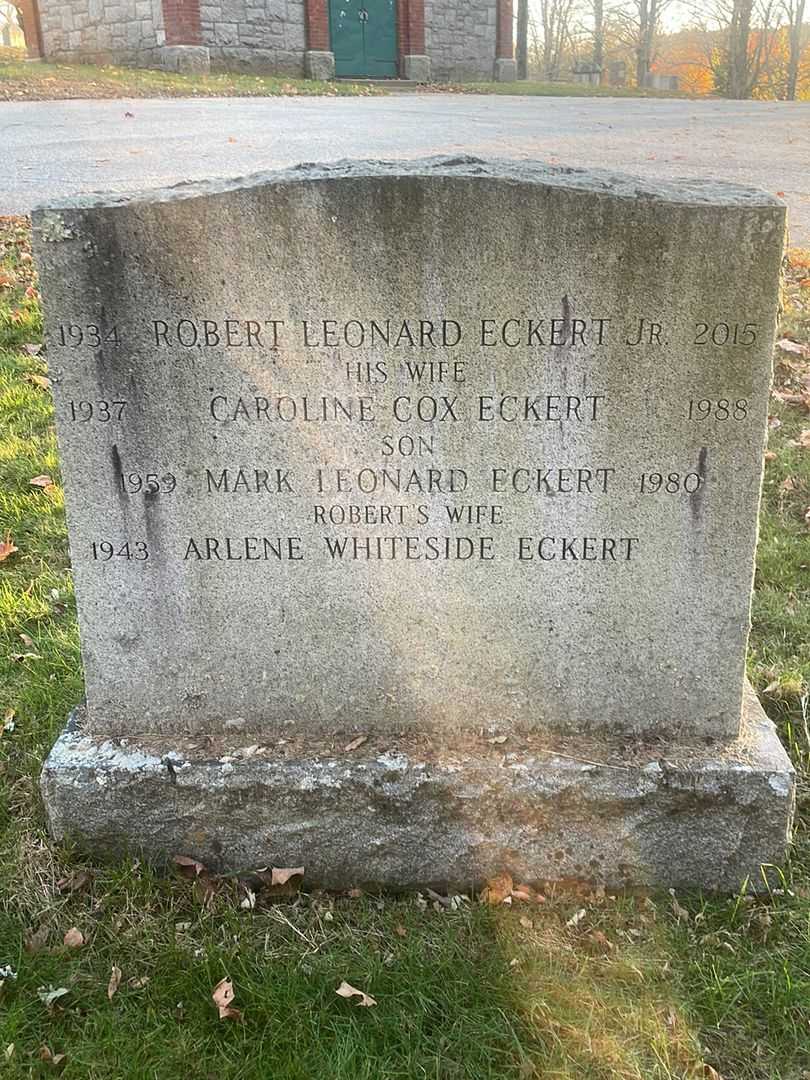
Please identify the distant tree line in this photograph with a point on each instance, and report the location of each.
(734, 48)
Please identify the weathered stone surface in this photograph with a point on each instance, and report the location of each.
(186, 59)
(416, 68)
(406, 812)
(505, 70)
(319, 65)
(590, 401)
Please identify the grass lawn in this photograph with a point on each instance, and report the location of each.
(583, 985)
(21, 81)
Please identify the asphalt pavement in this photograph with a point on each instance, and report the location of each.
(54, 149)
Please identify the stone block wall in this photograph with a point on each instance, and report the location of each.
(255, 34)
(460, 39)
(102, 31)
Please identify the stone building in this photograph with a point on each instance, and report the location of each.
(409, 39)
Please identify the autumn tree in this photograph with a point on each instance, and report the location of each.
(555, 25)
(640, 22)
(793, 11)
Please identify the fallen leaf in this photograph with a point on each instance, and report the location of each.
(43, 481)
(41, 381)
(526, 923)
(788, 484)
(7, 547)
(231, 139)
(793, 347)
(74, 938)
(770, 455)
(711, 1074)
(188, 867)
(280, 876)
(114, 983)
(803, 441)
(347, 991)
(137, 982)
(223, 994)
(498, 890)
(576, 918)
(48, 995)
(36, 941)
(8, 1053)
(354, 894)
(76, 881)
(47, 1055)
(498, 740)
(33, 349)
(679, 911)
(249, 901)
(400, 930)
(353, 745)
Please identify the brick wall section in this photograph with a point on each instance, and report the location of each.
(503, 46)
(181, 22)
(102, 31)
(317, 25)
(29, 19)
(258, 35)
(460, 38)
(411, 27)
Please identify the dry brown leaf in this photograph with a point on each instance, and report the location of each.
(188, 867)
(33, 349)
(353, 745)
(497, 740)
(223, 994)
(7, 547)
(114, 983)
(42, 481)
(47, 1055)
(793, 347)
(137, 982)
(36, 941)
(528, 894)
(74, 882)
(498, 890)
(400, 930)
(74, 938)
(354, 894)
(788, 484)
(576, 918)
(41, 381)
(770, 455)
(280, 875)
(526, 923)
(711, 1074)
(345, 990)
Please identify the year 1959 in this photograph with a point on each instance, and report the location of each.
(149, 483)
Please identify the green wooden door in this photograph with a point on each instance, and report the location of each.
(364, 37)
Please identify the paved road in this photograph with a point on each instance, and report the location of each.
(52, 149)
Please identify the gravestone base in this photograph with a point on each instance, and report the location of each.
(415, 811)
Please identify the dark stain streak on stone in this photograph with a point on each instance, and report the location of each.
(566, 314)
(696, 499)
(117, 470)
